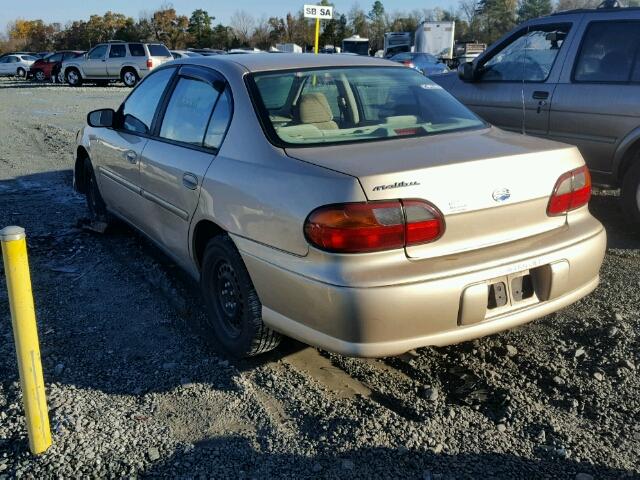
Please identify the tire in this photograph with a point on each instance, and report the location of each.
(95, 203)
(631, 192)
(233, 308)
(21, 73)
(39, 76)
(129, 77)
(73, 77)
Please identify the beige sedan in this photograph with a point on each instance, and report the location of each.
(348, 202)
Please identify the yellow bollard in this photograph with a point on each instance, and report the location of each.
(25, 334)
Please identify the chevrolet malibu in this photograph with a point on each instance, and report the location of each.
(348, 202)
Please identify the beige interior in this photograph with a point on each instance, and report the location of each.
(314, 110)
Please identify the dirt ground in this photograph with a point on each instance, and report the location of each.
(135, 390)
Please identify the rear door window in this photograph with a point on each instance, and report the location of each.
(139, 109)
(609, 53)
(219, 121)
(158, 50)
(136, 50)
(117, 51)
(188, 111)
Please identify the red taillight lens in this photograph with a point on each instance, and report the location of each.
(149, 62)
(373, 226)
(572, 191)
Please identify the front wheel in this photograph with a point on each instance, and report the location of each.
(234, 310)
(130, 77)
(631, 192)
(95, 203)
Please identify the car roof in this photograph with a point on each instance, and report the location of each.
(260, 62)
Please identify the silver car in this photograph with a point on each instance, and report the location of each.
(16, 65)
(573, 77)
(125, 61)
(345, 201)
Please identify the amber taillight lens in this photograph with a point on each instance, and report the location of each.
(572, 191)
(373, 226)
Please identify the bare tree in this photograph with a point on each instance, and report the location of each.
(242, 23)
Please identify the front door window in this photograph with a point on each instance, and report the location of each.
(528, 58)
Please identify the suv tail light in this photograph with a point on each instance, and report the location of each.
(572, 191)
(373, 226)
(408, 63)
(149, 63)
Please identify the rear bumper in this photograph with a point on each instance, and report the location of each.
(394, 318)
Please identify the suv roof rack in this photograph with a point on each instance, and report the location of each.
(603, 7)
(115, 41)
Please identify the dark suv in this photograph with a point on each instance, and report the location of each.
(574, 77)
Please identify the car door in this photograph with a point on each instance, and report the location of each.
(116, 152)
(117, 54)
(596, 102)
(95, 65)
(174, 162)
(4, 65)
(516, 80)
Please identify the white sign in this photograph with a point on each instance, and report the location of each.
(317, 11)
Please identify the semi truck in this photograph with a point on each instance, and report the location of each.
(356, 44)
(397, 42)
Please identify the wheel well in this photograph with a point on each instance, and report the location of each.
(80, 181)
(205, 230)
(632, 152)
(126, 69)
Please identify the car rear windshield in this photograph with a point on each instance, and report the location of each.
(334, 105)
(158, 50)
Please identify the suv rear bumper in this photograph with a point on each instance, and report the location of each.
(394, 318)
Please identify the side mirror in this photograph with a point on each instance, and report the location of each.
(467, 72)
(101, 118)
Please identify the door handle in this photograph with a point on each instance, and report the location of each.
(190, 181)
(540, 95)
(131, 156)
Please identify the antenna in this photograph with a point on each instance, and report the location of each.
(524, 104)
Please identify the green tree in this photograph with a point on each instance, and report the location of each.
(497, 17)
(200, 28)
(378, 25)
(529, 9)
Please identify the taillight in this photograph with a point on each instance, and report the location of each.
(572, 191)
(149, 63)
(373, 226)
(408, 63)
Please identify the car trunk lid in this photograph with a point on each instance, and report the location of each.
(492, 187)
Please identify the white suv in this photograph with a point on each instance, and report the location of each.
(126, 61)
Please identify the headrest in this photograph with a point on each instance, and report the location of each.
(314, 108)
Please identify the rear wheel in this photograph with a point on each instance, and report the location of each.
(631, 192)
(233, 307)
(129, 77)
(73, 77)
(21, 73)
(39, 76)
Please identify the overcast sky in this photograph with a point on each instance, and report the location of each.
(64, 10)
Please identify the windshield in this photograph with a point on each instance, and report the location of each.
(355, 104)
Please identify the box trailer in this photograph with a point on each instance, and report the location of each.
(436, 38)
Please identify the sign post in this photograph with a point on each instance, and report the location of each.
(318, 12)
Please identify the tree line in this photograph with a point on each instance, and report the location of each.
(476, 20)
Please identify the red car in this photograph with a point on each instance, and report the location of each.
(48, 68)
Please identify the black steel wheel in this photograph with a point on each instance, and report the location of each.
(233, 307)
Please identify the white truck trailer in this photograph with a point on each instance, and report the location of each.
(436, 38)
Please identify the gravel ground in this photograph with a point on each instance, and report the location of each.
(135, 390)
